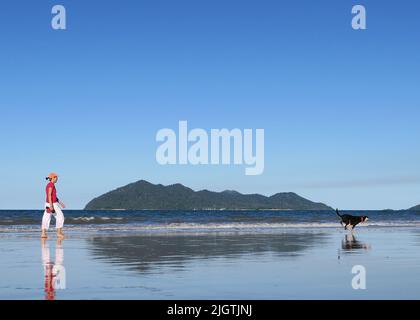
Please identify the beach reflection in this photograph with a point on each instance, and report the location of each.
(54, 272)
(148, 253)
(350, 244)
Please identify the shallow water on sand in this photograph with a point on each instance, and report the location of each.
(287, 264)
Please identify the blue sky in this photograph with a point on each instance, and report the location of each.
(340, 107)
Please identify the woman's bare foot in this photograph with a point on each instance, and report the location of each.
(60, 234)
(44, 233)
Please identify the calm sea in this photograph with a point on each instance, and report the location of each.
(200, 221)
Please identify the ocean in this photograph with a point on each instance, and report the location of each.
(201, 221)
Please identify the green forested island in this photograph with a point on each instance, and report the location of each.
(143, 195)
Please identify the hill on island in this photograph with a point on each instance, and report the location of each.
(416, 208)
(143, 195)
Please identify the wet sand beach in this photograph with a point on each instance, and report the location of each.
(287, 264)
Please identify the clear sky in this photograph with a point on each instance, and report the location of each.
(340, 107)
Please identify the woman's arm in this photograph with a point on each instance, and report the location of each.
(50, 189)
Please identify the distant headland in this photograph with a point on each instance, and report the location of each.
(143, 195)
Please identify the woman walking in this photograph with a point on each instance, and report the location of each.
(52, 208)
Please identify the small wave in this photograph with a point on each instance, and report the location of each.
(93, 219)
(82, 218)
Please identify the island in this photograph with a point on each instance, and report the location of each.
(143, 195)
(416, 208)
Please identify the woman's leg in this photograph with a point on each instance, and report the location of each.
(59, 220)
(46, 219)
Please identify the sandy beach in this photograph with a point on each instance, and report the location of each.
(209, 150)
(288, 264)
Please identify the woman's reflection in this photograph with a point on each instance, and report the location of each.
(54, 272)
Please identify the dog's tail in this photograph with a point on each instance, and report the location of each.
(338, 213)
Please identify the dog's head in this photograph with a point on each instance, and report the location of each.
(365, 218)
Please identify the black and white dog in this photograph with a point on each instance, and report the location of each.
(349, 220)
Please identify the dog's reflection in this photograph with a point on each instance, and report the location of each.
(350, 243)
(54, 272)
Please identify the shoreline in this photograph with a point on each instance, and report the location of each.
(223, 209)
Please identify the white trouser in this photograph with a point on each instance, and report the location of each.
(57, 269)
(58, 215)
